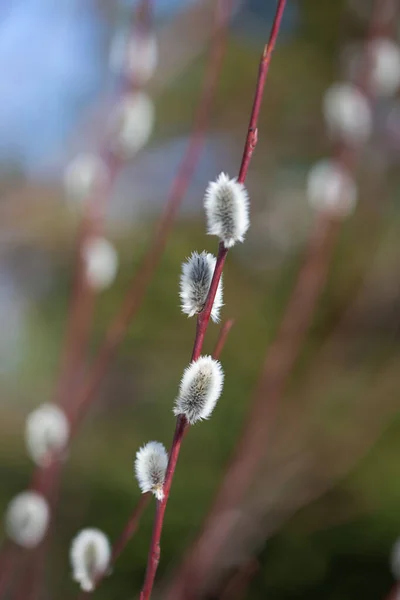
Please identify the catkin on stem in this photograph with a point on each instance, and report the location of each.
(90, 556)
(150, 466)
(200, 389)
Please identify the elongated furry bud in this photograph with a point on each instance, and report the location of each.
(226, 203)
(331, 188)
(83, 175)
(132, 123)
(46, 431)
(200, 389)
(90, 556)
(27, 519)
(195, 283)
(150, 467)
(135, 55)
(385, 71)
(347, 113)
(101, 261)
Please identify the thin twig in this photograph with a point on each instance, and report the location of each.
(9, 560)
(238, 584)
(223, 334)
(204, 317)
(92, 225)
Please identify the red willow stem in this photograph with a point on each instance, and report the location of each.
(92, 225)
(9, 560)
(134, 520)
(222, 336)
(237, 586)
(204, 317)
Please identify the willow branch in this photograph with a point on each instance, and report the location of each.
(204, 317)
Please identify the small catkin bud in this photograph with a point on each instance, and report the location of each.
(46, 432)
(226, 203)
(132, 123)
(27, 519)
(200, 389)
(90, 556)
(331, 188)
(385, 66)
(150, 467)
(101, 261)
(347, 113)
(136, 55)
(195, 283)
(83, 175)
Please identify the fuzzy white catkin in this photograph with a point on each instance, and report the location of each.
(195, 283)
(90, 556)
(27, 518)
(150, 467)
(46, 431)
(135, 55)
(83, 175)
(226, 203)
(200, 389)
(347, 113)
(101, 260)
(331, 188)
(385, 66)
(132, 123)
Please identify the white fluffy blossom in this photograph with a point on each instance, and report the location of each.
(46, 431)
(200, 389)
(27, 518)
(385, 66)
(83, 175)
(331, 188)
(395, 559)
(136, 55)
(101, 260)
(195, 283)
(90, 556)
(150, 467)
(226, 203)
(132, 123)
(347, 113)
